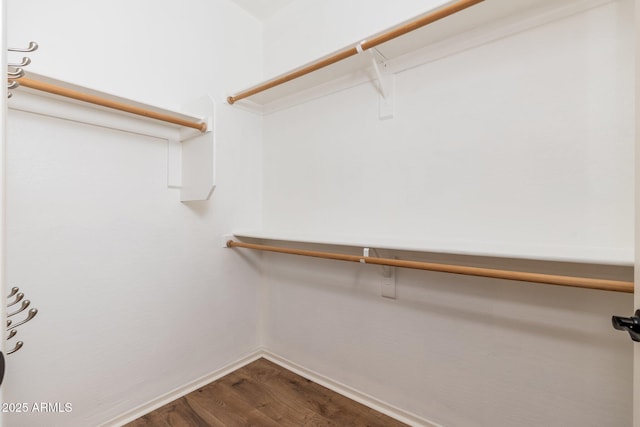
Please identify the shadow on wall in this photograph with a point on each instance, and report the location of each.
(199, 208)
(555, 312)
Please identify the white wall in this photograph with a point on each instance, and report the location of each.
(136, 296)
(527, 140)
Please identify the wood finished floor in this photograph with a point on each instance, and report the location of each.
(264, 394)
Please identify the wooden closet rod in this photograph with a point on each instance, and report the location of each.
(93, 99)
(547, 279)
(367, 44)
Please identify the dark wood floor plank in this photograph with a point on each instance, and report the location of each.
(261, 370)
(293, 390)
(320, 421)
(264, 394)
(298, 391)
(223, 403)
(331, 405)
(210, 418)
(184, 416)
(155, 418)
(263, 397)
(349, 413)
(175, 414)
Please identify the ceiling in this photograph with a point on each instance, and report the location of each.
(262, 9)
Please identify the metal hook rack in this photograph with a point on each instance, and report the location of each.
(11, 326)
(19, 296)
(16, 70)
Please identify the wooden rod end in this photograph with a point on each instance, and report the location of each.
(229, 243)
(203, 127)
(231, 100)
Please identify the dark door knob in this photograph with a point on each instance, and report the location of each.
(629, 324)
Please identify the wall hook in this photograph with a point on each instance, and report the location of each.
(33, 46)
(23, 307)
(18, 346)
(31, 315)
(25, 61)
(17, 300)
(19, 72)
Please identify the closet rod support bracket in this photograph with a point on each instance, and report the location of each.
(387, 273)
(385, 82)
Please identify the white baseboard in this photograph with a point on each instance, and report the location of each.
(360, 397)
(353, 394)
(182, 390)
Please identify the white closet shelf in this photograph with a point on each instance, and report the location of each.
(40, 101)
(190, 136)
(476, 25)
(573, 254)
